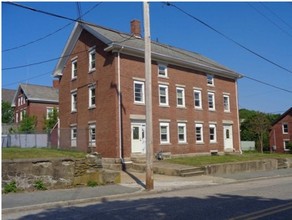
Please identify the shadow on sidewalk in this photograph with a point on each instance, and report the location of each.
(136, 179)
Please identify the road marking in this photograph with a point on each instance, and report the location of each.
(264, 212)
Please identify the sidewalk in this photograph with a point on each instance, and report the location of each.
(131, 184)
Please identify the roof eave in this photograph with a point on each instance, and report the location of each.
(172, 60)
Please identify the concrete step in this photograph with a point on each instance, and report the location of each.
(195, 173)
(138, 158)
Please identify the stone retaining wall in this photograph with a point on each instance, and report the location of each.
(57, 173)
(268, 164)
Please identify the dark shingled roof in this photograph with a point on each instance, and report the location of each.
(116, 40)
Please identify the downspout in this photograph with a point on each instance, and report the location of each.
(237, 112)
(119, 97)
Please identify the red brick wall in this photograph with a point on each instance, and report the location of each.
(106, 112)
(276, 134)
(180, 76)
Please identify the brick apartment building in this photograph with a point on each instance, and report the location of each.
(102, 96)
(281, 132)
(35, 100)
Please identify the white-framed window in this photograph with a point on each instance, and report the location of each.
(198, 99)
(211, 101)
(180, 97)
(92, 59)
(285, 144)
(164, 133)
(163, 95)
(210, 80)
(226, 103)
(49, 111)
(285, 128)
(91, 96)
(212, 133)
(139, 92)
(74, 101)
(162, 70)
(92, 136)
(74, 69)
(73, 136)
(199, 133)
(182, 132)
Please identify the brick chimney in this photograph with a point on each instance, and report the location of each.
(56, 84)
(135, 28)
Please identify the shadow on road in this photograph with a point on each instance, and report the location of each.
(219, 206)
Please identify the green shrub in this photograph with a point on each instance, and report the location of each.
(289, 146)
(10, 187)
(92, 183)
(39, 185)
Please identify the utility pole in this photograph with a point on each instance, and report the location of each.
(149, 132)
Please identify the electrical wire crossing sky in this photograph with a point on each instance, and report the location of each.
(251, 38)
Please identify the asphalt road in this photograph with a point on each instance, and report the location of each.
(258, 199)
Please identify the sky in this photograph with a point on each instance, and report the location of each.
(252, 38)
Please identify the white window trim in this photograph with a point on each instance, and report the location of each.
(91, 142)
(210, 82)
(166, 95)
(165, 75)
(73, 76)
(200, 99)
(91, 51)
(215, 133)
(72, 101)
(49, 110)
(284, 144)
(213, 101)
(201, 133)
(73, 139)
(283, 130)
(185, 133)
(183, 105)
(143, 92)
(228, 103)
(90, 105)
(167, 133)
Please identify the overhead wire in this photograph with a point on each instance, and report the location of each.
(228, 38)
(50, 34)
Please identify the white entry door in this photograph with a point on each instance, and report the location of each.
(228, 138)
(138, 135)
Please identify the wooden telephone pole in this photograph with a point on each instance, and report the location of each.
(149, 131)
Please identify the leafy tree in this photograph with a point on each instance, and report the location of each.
(7, 112)
(28, 124)
(52, 119)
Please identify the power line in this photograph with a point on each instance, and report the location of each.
(50, 34)
(274, 23)
(228, 38)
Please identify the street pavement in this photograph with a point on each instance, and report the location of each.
(132, 183)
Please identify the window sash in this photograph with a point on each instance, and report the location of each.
(164, 133)
(163, 95)
(74, 69)
(139, 92)
(285, 128)
(198, 99)
(92, 97)
(212, 133)
(162, 70)
(92, 134)
(181, 127)
(211, 101)
(92, 60)
(74, 101)
(180, 94)
(210, 79)
(226, 103)
(199, 133)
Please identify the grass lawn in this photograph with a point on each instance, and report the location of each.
(28, 153)
(206, 160)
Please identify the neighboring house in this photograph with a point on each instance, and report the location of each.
(7, 95)
(35, 100)
(102, 97)
(281, 132)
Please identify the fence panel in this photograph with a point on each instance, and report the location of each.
(25, 140)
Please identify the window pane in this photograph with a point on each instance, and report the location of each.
(135, 133)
